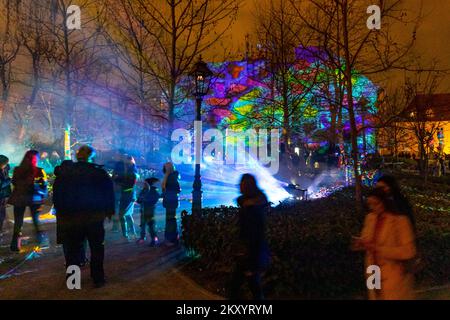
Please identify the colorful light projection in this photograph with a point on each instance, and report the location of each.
(222, 182)
(242, 97)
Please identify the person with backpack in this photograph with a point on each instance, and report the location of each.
(148, 198)
(83, 196)
(63, 221)
(30, 190)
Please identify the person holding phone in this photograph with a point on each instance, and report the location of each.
(389, 242)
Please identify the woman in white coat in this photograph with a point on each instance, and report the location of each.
(389, 241)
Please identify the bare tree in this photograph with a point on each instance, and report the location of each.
(162, 39)
(342, 33)
(391, 129)
(76, 53)
(420, 118)
(36, 48)
(36, 41)
(133, 49)
(9, 48)
(289, 78)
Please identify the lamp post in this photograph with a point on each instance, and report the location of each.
(202, 76)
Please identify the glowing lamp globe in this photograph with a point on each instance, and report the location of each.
(201, 75)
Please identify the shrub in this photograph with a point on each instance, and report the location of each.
(310, 243)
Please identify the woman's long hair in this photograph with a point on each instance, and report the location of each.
(402, 205)
(168, 168)
(27, 169)
(388, 202)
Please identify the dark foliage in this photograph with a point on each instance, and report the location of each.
(310, 243)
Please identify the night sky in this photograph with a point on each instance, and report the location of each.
(433, 37)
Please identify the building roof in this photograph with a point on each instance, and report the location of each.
(430, 107)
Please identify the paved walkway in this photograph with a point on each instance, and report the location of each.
(133, 272)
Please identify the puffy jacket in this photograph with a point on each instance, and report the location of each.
(172, 189)
(83, 189)
(29, 188)
(5, 183)
(252, 229)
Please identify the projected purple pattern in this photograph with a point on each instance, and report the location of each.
(240, 92)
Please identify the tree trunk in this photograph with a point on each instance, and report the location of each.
(351, 111)
(2, 108)
(334, 117)
(173, 75)
(5, 91)
(286, 120)
(171, 118)
(354, 142)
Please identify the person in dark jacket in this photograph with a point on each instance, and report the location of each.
(63, 221)
(5, 188)
(170, 190)
(83, 196)
(114, 165)
(61, 173)
(252, 254)
(30, 190)
(148, 198)
(125, 177)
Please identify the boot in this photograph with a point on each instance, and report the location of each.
(44, 242)
(15, 244)
(154, 242)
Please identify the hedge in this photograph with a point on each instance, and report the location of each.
(310, 243)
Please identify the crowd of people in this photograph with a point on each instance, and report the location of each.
(84, 195)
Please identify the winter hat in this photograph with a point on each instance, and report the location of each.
(85, 153)
(3, 159)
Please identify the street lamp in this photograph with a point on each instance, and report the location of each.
(202, 77)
